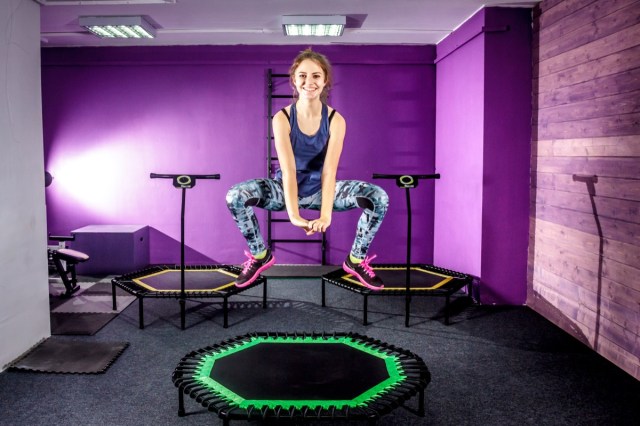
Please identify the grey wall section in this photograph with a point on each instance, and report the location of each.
(24, 305)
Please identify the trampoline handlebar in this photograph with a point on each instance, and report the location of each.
(386, 176)
(169, 176)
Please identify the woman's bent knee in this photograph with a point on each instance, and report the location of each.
(236, 196)
(380, 198)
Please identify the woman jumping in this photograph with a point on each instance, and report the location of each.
(309, 136)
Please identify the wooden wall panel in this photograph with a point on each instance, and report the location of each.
(627, 124)
(584, 260)
(621, 319)
(626, 81)
(606, 106)
(605, 207)
(604, 335)
(618, 62)
(621, 167)
(626, 254)
(626, 189)
(582, 29)
(556, 12)
(617, 42)
(577, 20)
(611, 228)
(615, 146)
(589, 270)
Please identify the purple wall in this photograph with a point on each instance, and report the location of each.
(482, 151)
(113, 115)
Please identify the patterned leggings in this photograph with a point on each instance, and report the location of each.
(268, 194)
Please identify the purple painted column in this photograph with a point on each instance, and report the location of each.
(459, 146)
(507, 153)
(482, 151)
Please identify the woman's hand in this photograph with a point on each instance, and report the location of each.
(302, 223)
(320, 225)
(310, 227)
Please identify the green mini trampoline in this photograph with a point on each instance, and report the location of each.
(418, 280)
(296, 376)
(199, 282)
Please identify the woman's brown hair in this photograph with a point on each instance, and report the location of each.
(322, 61)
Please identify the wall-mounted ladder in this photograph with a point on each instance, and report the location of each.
(272, 160)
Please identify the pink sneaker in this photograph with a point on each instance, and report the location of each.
(363, 272)
(252, 268)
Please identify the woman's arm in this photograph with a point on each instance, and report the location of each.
(281, 134)
(329, 171)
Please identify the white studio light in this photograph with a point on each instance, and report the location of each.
(314, 25)
(118, 26)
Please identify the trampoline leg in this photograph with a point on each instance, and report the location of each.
(264, 294)
(407, 308)
(364, 310)
(183, 313)
(446, 311)
(140, 313)
(225, 311)
(181, 412)
(421, 403)
(323, 294)
(113, 296)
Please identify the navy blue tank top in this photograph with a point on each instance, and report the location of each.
(309, 152)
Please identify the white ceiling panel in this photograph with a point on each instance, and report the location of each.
(256, 22)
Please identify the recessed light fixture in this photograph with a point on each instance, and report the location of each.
(118, 26)
(100, 2)
(313, 25)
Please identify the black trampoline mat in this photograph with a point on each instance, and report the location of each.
(299, 371)
(395, 278)
(59, 355)
(194, 280)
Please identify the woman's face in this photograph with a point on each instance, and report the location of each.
(309, 79)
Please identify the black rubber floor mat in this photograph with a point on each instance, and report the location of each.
(64, 356)
(105, 288)
(79, 324)
(299, 271)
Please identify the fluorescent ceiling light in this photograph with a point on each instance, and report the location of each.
(118, 26)
(322, 26)
(92, 2)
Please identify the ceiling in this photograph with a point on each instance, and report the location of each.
(255, 22)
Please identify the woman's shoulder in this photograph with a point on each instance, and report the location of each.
(330, 109)
(334, 114)
(283, 113)
(281, 119)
